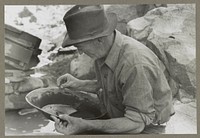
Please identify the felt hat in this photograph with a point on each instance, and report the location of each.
(87, 22)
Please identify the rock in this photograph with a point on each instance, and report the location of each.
(139, 29)
(13, 101)
(183, 69)
(82, 67)
(15, 92)
(68, 61)
(125, 13)
(48, 81)
(25, 13)
(174, 86)
(29, 84)
(8, 88)
(59, 39)
(52, 46)
(184, 97)
(170, 33)
(33, 19)
(59, 66)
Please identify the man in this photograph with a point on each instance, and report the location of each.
(131, 83)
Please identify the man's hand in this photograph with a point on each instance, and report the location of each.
(74, 125)
(68, 81)
(68, 125)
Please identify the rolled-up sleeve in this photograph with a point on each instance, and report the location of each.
(137, 117)
(137, 92)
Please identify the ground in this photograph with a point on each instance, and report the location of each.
(183, 122)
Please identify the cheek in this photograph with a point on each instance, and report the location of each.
(88, 49)
(83, 50)
(80, 51)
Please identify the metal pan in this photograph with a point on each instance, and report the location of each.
(87, 106)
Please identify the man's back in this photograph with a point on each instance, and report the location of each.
(133, 81)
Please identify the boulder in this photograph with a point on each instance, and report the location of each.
(8, 88)
(174, 87)
(15, 101)
(29, 84)
(15, 92)
(125, 13)
(24, 86)
(170, 33)
(184, 97)
(59, 66)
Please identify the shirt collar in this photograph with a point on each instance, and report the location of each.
(112, 58)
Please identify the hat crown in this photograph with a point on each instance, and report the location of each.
(82, 8)
(85, 21)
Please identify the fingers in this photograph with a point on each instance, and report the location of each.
(56, 120)
(68, 125)
(60, 124)
(66, 85)
(64, 117)
(61, 79)
(67, 81)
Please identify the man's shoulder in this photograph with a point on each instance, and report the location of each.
(134, 52)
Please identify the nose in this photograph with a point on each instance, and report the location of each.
(80, 51)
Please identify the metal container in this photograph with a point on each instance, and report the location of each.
(87, 106)
(21, 49)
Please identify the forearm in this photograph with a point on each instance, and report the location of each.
(89, 86)
(115, 125)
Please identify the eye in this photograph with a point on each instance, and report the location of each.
(78, 45)
(79, 48)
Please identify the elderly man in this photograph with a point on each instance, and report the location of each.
(130, 82)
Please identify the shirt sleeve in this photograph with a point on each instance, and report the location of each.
(137, 117)
(137, 91)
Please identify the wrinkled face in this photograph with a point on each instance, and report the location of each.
(91, 48)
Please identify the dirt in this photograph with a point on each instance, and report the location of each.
(183, 122)
(29, 124)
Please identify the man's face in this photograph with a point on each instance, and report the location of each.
(89, 48)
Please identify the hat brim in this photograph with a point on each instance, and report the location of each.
(112, 23)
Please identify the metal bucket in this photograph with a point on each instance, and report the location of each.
(87, 106)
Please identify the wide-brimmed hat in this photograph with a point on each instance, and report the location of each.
(87, 22)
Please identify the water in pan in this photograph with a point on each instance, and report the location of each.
(56, 109)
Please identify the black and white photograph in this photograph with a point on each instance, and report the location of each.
(107, 69)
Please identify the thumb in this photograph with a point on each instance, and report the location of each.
(64, 117)
(62, 79)
(65, 85)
